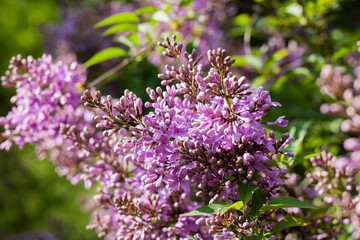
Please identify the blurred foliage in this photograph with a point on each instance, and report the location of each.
(33, 199)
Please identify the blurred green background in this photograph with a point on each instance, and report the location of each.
(34, 202)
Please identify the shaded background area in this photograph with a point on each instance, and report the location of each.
(35, 203)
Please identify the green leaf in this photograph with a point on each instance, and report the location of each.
(299, 133)
(118, 18)
(238, 206)
(280, 54)
(313, 155)
(294, 9)
(122, 27)
(245, 192)
(284, 202)
(258, 81)
(318, 212)
(239, 61)
(258, 200)
(147, 9)
(131, 40)
(340, 54)
(288, 222)
(185, 3)
(205, 210)
(161, 16)
(105, 54)
(253, 61)
(242, 19)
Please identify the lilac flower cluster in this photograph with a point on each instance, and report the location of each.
(203, 141)
(204, 138)
(47, 95)
(336, 178)
(50, 114)
(345, 89)
(283, 58)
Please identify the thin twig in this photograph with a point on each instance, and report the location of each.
(115, 69)
(248, 29)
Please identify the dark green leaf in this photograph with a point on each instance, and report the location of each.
(208, 209)
(288, 222)
(318, 212)
(105, 54)
(257, 201)
(284, 202)
(119, 18)
(122, 27)
(245, 192)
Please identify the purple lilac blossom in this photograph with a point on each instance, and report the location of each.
(338, 175)
(292, 59)
(47, 95)
(204, 137)
(67, 135)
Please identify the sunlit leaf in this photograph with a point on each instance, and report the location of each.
(119, 18)
(294, 9)
(205, 210)
(106, 54)
(242, 19)
(238, 206)
(253, 61)
(161, 16)
(130, 40)
(288, 222)
(122, 27)
(147, 9)
(239, 61)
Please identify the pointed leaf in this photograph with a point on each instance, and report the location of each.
(245, 192)
(130, 40)
(205, 210)
(105, 54)
(288, 222)
(122, 27)
(284, 202)
(257, 201)
(147, 9)
(318, 212)
(118, 18)
(161, 16)
(238, 206)
(239, 61)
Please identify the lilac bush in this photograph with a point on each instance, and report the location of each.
(337, 178)
(203, 157)
(204, 139)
